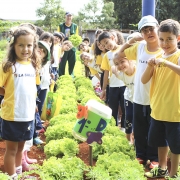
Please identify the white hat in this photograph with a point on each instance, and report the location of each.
(47, 47)
(147, 21)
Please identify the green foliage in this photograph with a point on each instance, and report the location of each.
(61, 118)
(116, 166)
(2, 55)
(3, 45)
(75, 39)
(112, 121)
(83, 81)
(52, 13)
(106, 19)
(127, 12)
(64, 169)
(7, 25)
(113, 144)
(3, 176)
(61, 147)
(59, 131)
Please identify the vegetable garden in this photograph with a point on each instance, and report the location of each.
(114, 158)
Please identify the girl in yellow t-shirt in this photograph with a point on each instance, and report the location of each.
(18, 77)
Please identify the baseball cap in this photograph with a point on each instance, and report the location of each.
(147, 21)
(46, 46)
(68, 13)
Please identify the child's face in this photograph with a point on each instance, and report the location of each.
(56, 40)
(108, 43)
(48, 41)
(42, 51)
(86, 57)
(122, 64)
(149, 33)
(67, 46)
(83, 48)
(24, 47)
(86, 42)
(101, 47)
(168, 42)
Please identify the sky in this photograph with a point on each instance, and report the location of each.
(25, 9)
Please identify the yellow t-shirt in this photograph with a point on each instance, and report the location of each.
(99, 59)
(93, 71)
(165, 92)
(20, 92)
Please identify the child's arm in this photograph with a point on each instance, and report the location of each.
(114, 71)
(170, 65)
(2, 91)
(148, 73)
(129, 43)
(105, 83)
(97, 75)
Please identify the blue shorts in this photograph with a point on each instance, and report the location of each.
(17, 131)
(162, 133)
(128, 116)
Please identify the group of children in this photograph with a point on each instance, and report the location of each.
(142, 75)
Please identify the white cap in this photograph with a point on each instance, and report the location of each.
(147, 21)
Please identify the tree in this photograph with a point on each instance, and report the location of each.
(127, 12)
(52, 14)
(7, 25)
(95, 15)
(167, 9)
(106, 19)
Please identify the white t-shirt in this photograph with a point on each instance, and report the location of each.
(20, 92)
(106, 64)
(129, 83)
(45, 76)
(142, 55)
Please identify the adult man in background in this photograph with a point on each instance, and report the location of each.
(68, 28)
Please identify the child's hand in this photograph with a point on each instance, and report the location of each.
(36, 110)
(52, 76)
(151, 62)
(159, 61)
(103, 95)
(137, 36)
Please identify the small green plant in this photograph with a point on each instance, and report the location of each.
(75, 39)
(67, 168)
(59, 148)
(3, 176)
(116, 166)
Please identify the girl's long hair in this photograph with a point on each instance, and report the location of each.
(11, 54)
(118, 36)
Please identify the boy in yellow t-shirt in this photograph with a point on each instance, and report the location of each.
(165, 100)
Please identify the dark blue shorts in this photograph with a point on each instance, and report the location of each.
(128, 116)
(162, 133)
(17, 131)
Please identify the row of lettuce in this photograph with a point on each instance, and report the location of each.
(115, 158)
